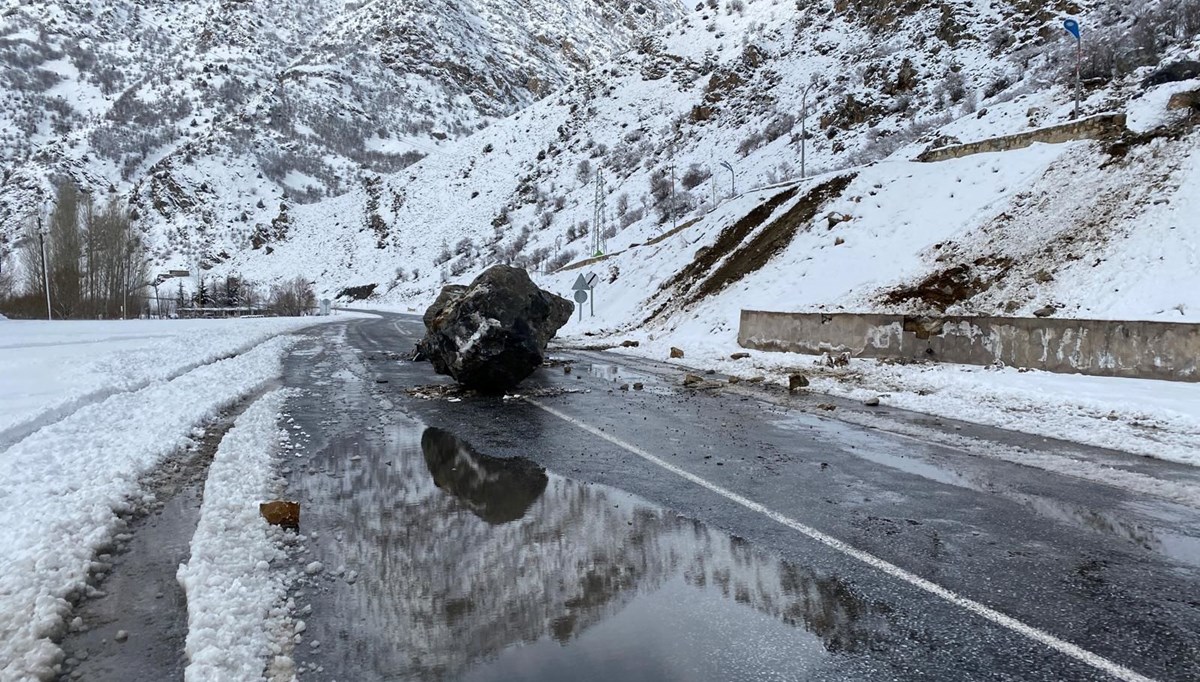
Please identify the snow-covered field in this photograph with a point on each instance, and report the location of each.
(50, 369)
(89, 408)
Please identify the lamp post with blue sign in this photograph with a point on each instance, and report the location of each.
(1072, 27)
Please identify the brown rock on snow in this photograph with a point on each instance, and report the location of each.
(281, 513)
(676, 353)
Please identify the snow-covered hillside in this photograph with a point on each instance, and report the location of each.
(213, 115)
(1080, 226)
(1093, 229)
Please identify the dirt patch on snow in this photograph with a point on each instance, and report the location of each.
(729, 239)
(952, 285)
(732, 257)
(775, 237)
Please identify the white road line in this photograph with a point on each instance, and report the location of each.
(1095, 660)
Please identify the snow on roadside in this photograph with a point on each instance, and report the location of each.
(50, 369)
(235, 602)
(1159, 419)
(62, 488)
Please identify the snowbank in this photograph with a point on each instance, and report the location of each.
(50, 369)
(62, 487)
(235, 601)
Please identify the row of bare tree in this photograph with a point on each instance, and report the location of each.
(292, 297)
(92, 258)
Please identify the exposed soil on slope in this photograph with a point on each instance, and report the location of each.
(729, 239)
(774, 238)
(953, 284)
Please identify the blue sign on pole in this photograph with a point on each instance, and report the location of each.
(1072, 27)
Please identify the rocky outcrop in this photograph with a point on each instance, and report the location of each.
(1173, 73)
(492, 334)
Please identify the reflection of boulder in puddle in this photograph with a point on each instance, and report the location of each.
(496, 490)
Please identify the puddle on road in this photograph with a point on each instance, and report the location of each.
(471, 567)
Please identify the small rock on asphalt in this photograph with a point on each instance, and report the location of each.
(313, 568)
(871, 402)
(121, 636)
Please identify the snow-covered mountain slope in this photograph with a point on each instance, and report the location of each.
(855, 88)
(213, 113)
(1081, 225)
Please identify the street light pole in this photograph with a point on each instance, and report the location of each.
(1079, 72)
(1072, 27)
(732, 178)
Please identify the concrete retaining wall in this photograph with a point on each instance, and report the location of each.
(1093, 128)
(1149, 350)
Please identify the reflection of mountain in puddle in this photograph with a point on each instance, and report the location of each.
(496, 490)
(501, 554)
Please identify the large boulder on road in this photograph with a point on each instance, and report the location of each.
(492, 334)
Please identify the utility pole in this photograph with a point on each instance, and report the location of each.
(45, 267)
(712, 176)
(674, 218)
(732, 178)
(599, 215)
(804, 130)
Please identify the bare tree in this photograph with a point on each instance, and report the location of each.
(292, 298)
(31, 258)
(7, 280)
(64, 253)
(115, 257)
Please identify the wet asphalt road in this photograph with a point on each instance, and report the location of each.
(490, 539)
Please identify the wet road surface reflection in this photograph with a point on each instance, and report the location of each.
(446, 563)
